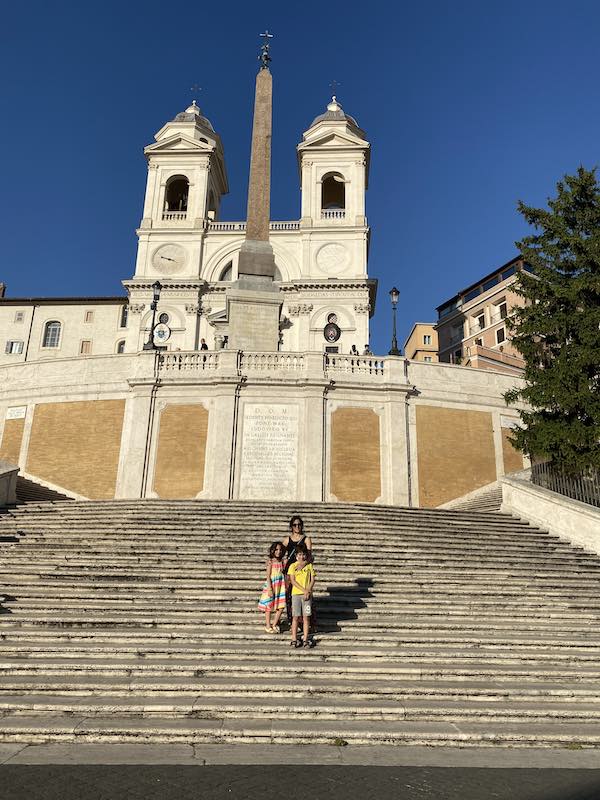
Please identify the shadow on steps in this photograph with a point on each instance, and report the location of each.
(342, 603)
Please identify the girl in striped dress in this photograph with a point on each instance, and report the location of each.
(272, 599)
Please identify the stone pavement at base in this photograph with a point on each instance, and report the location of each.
(212, 772)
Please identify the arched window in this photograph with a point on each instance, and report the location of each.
(121, 346)
(333, 191)
(176, 195)
(51, 334)
(227, 273)
(123, 316)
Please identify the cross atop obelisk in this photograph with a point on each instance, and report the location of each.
(256, 256)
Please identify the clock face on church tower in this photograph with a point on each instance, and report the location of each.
(169, 258)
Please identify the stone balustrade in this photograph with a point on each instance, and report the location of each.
(333, 213)
(188, 362)
(174, 216)
(228, 362)
(271, 362)
(233, 227)
(354, 365)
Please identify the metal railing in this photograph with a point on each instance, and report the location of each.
(584, 487)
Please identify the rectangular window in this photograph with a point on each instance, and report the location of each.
(500, 336)
(123, 317)
(457, 357)
(427, 339)
(503, 310)
(427, 358)
(89, 316)
(473, 293)
(492, 282)
(481, 321)
(19, 316)
(86, 347)
(14, 347)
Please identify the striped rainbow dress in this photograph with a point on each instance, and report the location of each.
(277, 583)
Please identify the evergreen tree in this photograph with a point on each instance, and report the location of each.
(557, 331)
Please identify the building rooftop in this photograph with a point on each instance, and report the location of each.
(482, 285)
(335, 112)
(16, 301)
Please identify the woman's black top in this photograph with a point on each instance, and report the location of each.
(290, 550)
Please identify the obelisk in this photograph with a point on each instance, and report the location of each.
(253, 302)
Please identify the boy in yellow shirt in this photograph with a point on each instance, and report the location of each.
(302, 578)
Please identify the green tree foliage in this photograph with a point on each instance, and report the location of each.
(557, 331)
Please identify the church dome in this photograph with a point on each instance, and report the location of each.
(194, 114)
(334, 112)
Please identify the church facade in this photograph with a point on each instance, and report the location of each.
(321, 259)
(140, 396)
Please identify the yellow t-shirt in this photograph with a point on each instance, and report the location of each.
(301, 576)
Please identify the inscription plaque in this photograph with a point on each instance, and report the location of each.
(269, 464)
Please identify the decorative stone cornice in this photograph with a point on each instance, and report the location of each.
(168, 285)
(297, 309)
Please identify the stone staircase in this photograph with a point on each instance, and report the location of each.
(488, 498)
(137, 621)
(29, 491)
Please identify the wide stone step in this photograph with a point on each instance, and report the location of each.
(429, 654)
(325, 553)
(286, 687)
(113, 729)
(305, 664)
(337, 599)
(437, 626)
(308, 708)
(246, 637)
(247, 589)
(192, 550)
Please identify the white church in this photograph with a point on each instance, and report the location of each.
(321, 259)
(235, 367)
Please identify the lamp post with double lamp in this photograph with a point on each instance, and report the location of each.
(156, 287)
(394, 295)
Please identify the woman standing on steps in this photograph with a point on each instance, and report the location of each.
(295, 537)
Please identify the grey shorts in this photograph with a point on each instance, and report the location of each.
(300, 606)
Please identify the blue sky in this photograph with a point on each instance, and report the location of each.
(469, 106)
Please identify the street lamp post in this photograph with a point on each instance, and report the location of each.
(394, 295)
(156, 287)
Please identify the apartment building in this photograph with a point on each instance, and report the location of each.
(422, 343)
(472, 328)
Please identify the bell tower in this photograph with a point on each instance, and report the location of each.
(333, 159)
(186, 180)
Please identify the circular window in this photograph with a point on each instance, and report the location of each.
(332, 318)
(164, 318)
